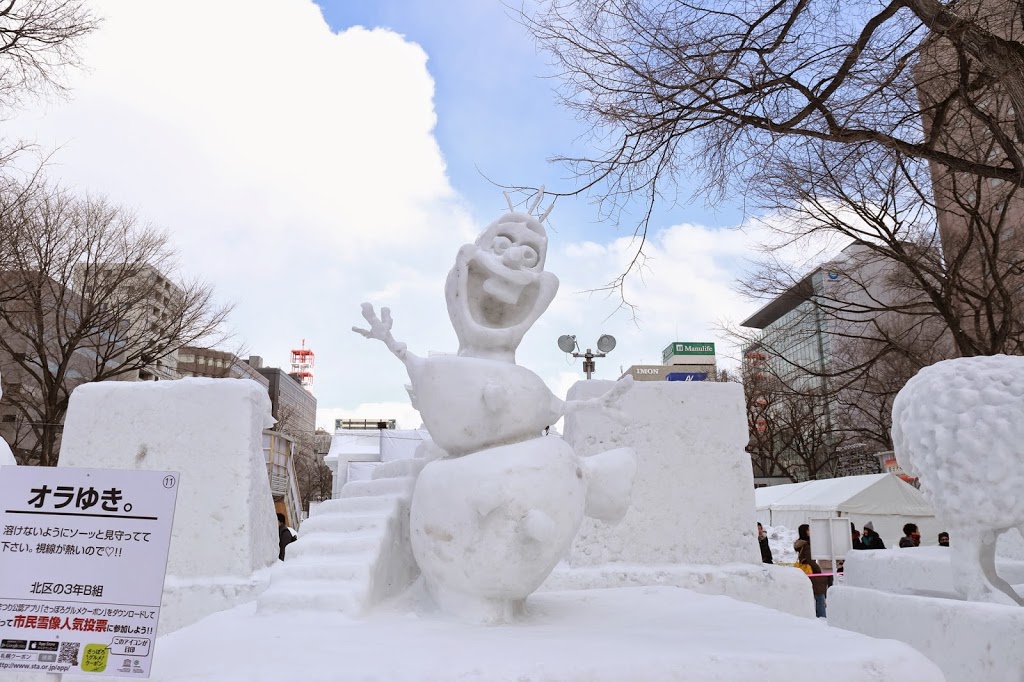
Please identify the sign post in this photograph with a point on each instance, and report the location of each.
(831, 539)
(83, 553)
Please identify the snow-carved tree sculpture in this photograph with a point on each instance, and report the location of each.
(491, 519)
(958, 425)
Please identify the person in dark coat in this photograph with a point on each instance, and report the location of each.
(766, 551)
(911, 536)
(284, 535)
(857, 544)
(870, 539)
(819, 583)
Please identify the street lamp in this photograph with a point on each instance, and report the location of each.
(605, 345)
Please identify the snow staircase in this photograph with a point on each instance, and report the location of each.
(354, 552)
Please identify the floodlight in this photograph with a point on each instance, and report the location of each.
(567, 343)
(606, 344)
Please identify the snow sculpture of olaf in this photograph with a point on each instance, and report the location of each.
(490, 520)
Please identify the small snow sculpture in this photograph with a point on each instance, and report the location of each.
(959, 426)
(6, 456)
(493, 515)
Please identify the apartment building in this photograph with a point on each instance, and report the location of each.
(194, 361)
(152, 303)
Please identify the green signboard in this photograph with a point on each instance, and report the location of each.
(702, 348)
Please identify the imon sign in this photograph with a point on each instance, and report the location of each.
(703, 349)
(648, 372)
(83, 554)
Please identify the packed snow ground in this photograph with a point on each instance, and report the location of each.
(644, 633)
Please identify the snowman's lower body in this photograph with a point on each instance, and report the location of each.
(489, 527)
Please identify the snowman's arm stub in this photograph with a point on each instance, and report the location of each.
(380, 329)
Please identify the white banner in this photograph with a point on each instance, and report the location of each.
(83, 554)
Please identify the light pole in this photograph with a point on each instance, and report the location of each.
(605, 345)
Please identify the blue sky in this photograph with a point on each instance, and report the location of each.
(497, 107)
(306, 158)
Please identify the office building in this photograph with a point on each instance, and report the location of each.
(293, 406)
(681, 361)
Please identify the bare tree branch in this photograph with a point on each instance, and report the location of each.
(83, 298)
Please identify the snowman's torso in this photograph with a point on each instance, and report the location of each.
(470, 404)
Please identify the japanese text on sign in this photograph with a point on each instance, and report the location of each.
(83, 554)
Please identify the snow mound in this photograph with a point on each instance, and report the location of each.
(780, 541)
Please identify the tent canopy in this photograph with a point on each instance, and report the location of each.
(872, 494)
(884, 499)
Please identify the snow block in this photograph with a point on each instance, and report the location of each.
(782, 588)
(6, 456)
(917, 570)
(969, 641)
(691, 522)
(211, 431)
(693, 497)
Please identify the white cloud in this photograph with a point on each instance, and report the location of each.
(686, 288)
(297, 170)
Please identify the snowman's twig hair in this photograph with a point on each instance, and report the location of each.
(536, 200)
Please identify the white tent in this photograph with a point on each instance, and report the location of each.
(884, 499)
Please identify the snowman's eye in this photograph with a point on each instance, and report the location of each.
(500, 245)
(530, 257)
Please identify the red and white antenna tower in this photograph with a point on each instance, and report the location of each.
(302, 366)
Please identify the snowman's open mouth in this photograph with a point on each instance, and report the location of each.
(506, 297)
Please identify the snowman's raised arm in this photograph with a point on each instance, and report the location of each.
(380, 329)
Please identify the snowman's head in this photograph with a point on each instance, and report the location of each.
(498, 287)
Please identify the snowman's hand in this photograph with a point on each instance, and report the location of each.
(380, 329)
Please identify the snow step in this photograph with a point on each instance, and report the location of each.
(381, 486)
(399, 468)
(372, 503)
(335, 544)
(344, 523)
(317, 595)
(348, 570)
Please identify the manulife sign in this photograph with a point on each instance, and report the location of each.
(697, 352)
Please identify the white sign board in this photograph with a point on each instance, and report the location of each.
(83, 554)
(831, 538)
